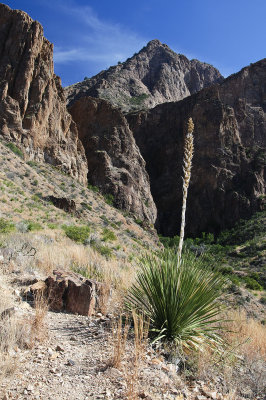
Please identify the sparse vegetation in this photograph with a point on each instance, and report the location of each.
(77, 233)
(108, 235)
(6, 226)
(138, 100)
(15, 149)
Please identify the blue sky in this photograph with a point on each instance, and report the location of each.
(91, 35)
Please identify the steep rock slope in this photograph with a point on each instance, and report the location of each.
(33, 113)
(115, 164)
(155, 75)
(228, 176)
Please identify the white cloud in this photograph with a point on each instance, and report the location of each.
(97, 40)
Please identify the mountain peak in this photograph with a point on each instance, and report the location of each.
(153, 76)
(154, 43)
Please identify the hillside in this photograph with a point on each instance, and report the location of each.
(153, 76)
(59, 350)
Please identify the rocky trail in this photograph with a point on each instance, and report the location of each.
(74, 363)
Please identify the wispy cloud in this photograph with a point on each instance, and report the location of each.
(96, 40)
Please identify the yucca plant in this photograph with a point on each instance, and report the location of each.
(187, 165)
(181, 303)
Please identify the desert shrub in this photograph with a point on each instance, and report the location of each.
(95, 189)
(34, 226)
(169, 241)
(51, 225)
(103, 250)
(109, 199)
(226, 269)
(15, 149)
(108, 235)
(86, 206)
(138, 100)
(77, 233)
(32, 163)
(181, 303)
(252, 284)
(6, 226)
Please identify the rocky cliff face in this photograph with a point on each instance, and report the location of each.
(228, 175)
(115, 164)
(33, 113)
(153, 76)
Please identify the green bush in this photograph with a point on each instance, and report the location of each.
(263, 300)
(93, 188)
(138, 100)
(51, 225)
(15, 149)
(108, 235)
(6, 226)
(169, 241)
(103, 250)
(252, 283)
(180, 303)
(34, 226)
(32, 163)
(109, 199)
(77, 233)
(86, 206)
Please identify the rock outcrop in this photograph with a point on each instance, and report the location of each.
(71, 292)
(33, 112)
(115, 164)
(153, 76)
(228, 174)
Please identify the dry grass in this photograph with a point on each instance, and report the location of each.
(133, 364)
(13, 331)
(128, 354)
(18, 331)
(241, 361)
(39, 330)
(119, 341)
(246, 334)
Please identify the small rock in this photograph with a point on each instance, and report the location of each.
(53, 356)
(156, 361)
(70, 363)
(59, 348)
(211, 395)
(145, 395)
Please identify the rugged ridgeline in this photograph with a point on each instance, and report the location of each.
(33, 111)
(153, 76)
(115, 164)
(228, 177)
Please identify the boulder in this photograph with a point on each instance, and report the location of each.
(73, 293)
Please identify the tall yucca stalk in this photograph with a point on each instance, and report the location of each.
(187, 164)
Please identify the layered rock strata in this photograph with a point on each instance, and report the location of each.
(33, 111)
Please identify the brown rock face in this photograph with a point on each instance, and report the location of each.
(32, 105)
(115, 164)
(73, 293)
(153, 76)
(228, 174)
